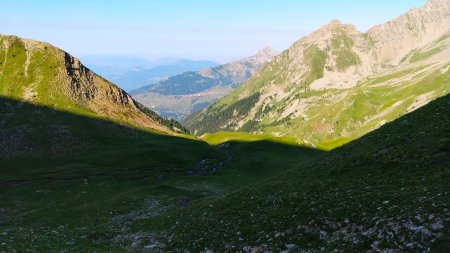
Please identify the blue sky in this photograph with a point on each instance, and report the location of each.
(219, 30)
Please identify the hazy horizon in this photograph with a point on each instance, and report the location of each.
(216, 31)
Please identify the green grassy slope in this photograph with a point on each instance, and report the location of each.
(388, 191)
(42, 74)
(222, 137)
(71, 182)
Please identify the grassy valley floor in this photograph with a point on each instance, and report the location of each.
(75, 183)
(126, 190)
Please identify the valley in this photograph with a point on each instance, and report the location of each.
(108, 176)
(149, 196)
(340, 143)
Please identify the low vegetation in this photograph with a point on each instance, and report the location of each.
(387, 190)
(343, 166)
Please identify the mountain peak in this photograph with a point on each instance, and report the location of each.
(334, 22)
(267, 52)
(262, 56)
(333, 60)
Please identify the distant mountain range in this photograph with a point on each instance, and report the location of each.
(338, 83)
(131, 72)
(114, 66)
(140, 77)
(180, 95)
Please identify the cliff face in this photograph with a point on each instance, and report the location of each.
(39, 73)
(350, 56)
(416, 28)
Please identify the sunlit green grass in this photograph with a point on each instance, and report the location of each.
(222, 137)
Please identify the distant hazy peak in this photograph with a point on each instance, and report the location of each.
(267, 52)
(262, 56)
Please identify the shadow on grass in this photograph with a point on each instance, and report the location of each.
(41, 142)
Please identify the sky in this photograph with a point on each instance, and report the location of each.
(218, 30)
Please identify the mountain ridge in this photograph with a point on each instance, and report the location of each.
(52, 77)
(135, 79)
(339, 83)
(182, 94)
(85, 168)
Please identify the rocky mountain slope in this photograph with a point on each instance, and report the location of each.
(338, 83)
(38, 73)
(180, 95)
(385, 192)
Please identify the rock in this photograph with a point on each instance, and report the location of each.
(322, 234)
(151, 246)
(246, 249)
(291, 246)
(257, 250)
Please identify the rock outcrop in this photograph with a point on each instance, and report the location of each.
(414, 29)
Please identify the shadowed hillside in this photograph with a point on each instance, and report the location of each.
(86, 168)
(75, 182)
(387, 191)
